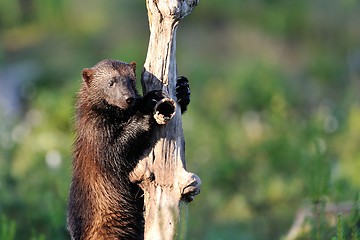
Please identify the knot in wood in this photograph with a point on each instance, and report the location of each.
(175, 9)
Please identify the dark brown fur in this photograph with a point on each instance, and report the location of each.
(114, 127)
(111, 136)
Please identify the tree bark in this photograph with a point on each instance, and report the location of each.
(162, 173)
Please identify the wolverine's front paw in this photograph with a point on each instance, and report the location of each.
(183, 92)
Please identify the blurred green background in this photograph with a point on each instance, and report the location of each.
(273, 126)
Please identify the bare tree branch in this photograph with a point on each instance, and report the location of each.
(162, 174)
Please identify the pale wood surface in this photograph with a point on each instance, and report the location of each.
(162, 174)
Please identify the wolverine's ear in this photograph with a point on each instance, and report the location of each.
(87, 75)
(133, 66)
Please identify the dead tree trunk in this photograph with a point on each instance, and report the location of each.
(162, 174)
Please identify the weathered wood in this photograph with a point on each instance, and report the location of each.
(162, 174)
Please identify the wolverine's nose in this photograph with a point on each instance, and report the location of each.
(130, 100)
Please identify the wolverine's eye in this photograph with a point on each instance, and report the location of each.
(112, 82)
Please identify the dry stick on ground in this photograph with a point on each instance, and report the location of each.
(162, 174)
(331, 210)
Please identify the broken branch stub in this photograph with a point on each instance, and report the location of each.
(172, 8)
(162, 173)
(164, 110)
